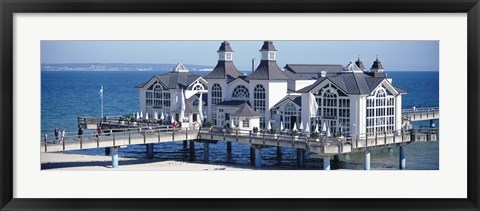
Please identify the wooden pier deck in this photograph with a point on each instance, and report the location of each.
(322, 146)
(421, 114)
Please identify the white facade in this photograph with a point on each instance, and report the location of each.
(369, 105)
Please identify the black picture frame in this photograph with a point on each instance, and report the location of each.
(10, 7)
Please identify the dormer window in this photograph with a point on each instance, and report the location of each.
(225, 56)
(271, 56)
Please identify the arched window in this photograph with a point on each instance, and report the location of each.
(158, 97)
(259, 102)
(241, 92)
(290, 114)
(216, 99)
(197, 86)
(216, 94)
(380, 112)
(334, 110)
(329, 103)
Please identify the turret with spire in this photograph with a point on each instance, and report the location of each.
(359, 63)
(268, 68)
(377, 68)
(225, 69)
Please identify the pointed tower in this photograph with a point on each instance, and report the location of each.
(377, 68)
(225, 69)
(268, 68)
(359, 64)
(268, 83)
(223, 73)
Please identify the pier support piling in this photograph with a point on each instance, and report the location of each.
(367, 160)
(279, 152)
(326, 163)
(192, 147)
(114, 152)
(402, 157)
(107, 151)
(185, 145)
(252, 155)
(206, 152)
(258, 157)
(149, 151)
(229, 147)
(300, 156)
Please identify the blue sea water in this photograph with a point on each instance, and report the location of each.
(67, 95)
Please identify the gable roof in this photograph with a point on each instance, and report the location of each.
(204, 97)
(350, 83)
(297, 99)
(267, 70)
(188, 109)
(245, 111)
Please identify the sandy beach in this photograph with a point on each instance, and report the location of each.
(75, 162)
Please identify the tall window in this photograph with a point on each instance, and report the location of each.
(290, 115)
(334, 110)
(216, 99)
(380, 112)
(216, 94)
(158, 97)
(241, 92)
(259, 103)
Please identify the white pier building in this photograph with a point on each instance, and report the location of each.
(350, 100)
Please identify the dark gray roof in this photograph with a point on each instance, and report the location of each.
(173, 80)
(359, 63)
(268, 46)
(399, 90)
(177, 80)
(297, 99)
(204, 97)
(224, 70)
(188, 109)
(350, 83)
(245, 111)
(310, 71)
(225, 47)
(232, 103)
(377, 64)
(267, 70)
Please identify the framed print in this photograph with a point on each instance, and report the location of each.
(233, 105)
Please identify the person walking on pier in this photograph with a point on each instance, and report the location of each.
(99, 130)
(80, 132)
(63, 136)
(57, 133)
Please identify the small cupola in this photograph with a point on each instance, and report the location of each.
(179, 68)
(359, 63)
(268, 51)
(377, 66)
(225, 52)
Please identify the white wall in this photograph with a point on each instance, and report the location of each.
(299, 84)
(142, 97)
(398, 112)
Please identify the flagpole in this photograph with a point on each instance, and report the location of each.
(101, 95)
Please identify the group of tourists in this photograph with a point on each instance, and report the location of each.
(59, 136)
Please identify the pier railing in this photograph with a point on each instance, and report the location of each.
(414, 114)
(322, 145)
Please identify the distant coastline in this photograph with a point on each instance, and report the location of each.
(114, 67)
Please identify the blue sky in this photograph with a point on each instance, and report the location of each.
(394, 55)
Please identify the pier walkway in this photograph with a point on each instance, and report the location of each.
(324, 146)
(420, 114)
